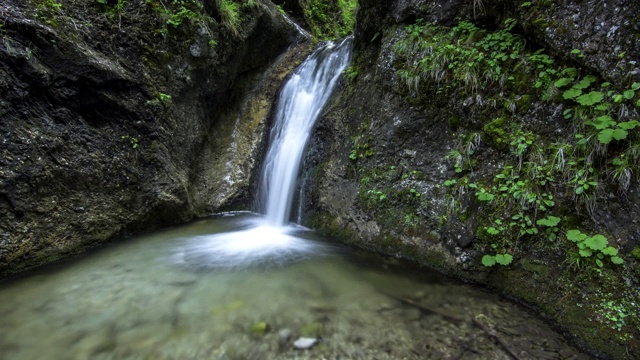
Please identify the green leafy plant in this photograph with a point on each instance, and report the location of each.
(49, 11)
(496, 229)
(132, 140)
(164, 98)
(597, 245)
(352, 72)
(160, 98)
(361, 144)
(551, 225)
(502, 259)
(230, 14)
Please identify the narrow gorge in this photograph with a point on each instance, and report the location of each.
(493, 141)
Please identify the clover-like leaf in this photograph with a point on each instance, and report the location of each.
(610, 250)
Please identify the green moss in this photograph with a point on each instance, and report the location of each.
(454, 122)
(496, 135)
(522, 104)
(260, 328)
(541, 23)
(540, 269)
(636, 252)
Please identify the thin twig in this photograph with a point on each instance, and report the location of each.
(492, 334)
(424, 308)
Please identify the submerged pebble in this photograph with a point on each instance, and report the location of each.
(305, 343)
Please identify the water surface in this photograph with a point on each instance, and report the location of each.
(162, 296)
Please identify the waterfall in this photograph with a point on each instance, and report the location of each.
(301, 101)
(270, 239)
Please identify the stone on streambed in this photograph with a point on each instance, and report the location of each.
(305, 343)
(284, 334)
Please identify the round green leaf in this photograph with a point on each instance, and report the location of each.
(585, 252)
(628, 94)
(616, 260)
(579, 190)
(504, 259)
(575, 235)
(488, 260)
(596, 242)
(611, 251)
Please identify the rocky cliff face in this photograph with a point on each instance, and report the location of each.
(498, 142)
(122, 116)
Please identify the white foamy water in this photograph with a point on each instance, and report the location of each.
(259, 244)
(301, 102)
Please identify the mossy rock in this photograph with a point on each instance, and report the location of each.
(496, 135)
(260, 328)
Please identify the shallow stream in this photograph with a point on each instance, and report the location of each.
(168, 295)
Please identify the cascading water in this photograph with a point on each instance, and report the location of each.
(301, 102)
(270, 239)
